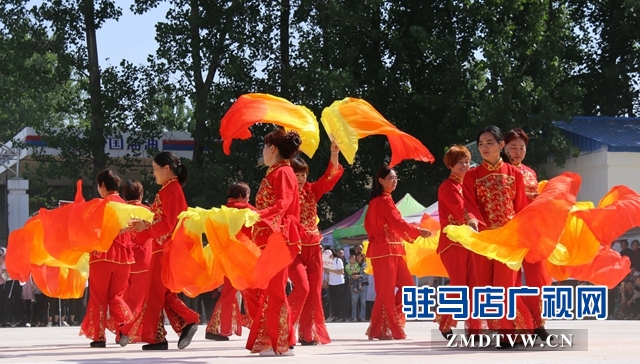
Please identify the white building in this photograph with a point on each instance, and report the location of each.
(180, 143)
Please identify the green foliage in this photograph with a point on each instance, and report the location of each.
(610, 55)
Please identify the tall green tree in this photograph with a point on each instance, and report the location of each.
(34, 87)
(527, 52)
(407, 60)
(73, 25)
(339, 53)
(610, 53)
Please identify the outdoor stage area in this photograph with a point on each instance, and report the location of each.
(608, 342)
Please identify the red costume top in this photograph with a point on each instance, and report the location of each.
(493, 194)
(386, 229)
(278, 204)
(310, 194)
(530, 181)
(120, 251)
(234, 203)
(166, 207)
(450, 209)
(141, 249)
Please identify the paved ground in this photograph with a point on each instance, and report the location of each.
(608, 342)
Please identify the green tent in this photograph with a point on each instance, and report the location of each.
(355, 233)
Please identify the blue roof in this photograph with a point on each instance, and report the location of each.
(593, 133)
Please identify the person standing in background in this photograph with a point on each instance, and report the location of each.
(132, 192)
(108, 275)
(387, 233)
(535, 274)
(457, 260)
(306, 270)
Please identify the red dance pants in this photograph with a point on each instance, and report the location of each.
(493, 273)
(226, 319)
(458, 262)
(271, 327)
(107, 284)
(387, 318)
(306, 298)
(535, 275)
(134, 295)
(148, 324)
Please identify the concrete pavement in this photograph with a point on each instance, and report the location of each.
(608, 342)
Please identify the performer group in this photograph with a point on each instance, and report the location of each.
(129, 288)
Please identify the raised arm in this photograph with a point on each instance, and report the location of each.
(328, 180)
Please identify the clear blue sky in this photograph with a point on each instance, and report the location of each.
(132, 37)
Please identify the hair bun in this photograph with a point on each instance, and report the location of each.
(293, 137)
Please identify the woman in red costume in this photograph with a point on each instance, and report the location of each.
(456, 258)
(278, 205)
(132, 192)
(493, 193)
(306, 271)
(148, 324)
(226, 319)
(387, 233)
(108, 275)
(535, 274)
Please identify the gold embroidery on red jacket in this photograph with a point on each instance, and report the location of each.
(308, 209)
(530, 184)
(452, 220)
(392, 236)
(491, 168)
(265, 197)
(495, 197)
(333, 172)
(156, 208)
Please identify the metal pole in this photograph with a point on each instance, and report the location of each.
(18, 163)
(59, 312)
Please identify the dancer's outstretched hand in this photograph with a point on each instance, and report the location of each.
(474, 224)
(425, 233)
(138, 225)
(334, 147)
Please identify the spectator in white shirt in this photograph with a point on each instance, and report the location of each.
(337, 292)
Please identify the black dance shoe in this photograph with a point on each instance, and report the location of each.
(98, 344)
(447, 334)
(542, 333)
(187, 335)
(156, 346)
(215, 337)
(124, 340)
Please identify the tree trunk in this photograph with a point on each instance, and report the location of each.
(285, 10)
(201, 90)
(97, 137)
